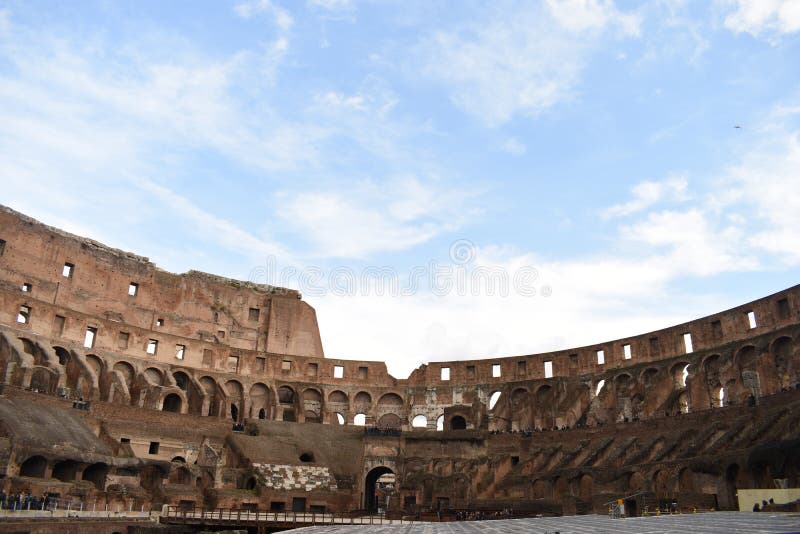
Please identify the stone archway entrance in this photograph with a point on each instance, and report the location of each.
(370, 499)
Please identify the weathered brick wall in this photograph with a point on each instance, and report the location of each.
(295, 477)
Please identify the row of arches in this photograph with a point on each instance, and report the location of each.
(38, 466)
(680, 385)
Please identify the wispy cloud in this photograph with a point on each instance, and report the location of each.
(520, 60)
(513, 146)
(647, 194)
(362, 218)
(280, 16)
(763, 17)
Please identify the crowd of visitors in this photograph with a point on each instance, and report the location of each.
(26, 501)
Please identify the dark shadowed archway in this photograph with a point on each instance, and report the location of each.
(370, 502)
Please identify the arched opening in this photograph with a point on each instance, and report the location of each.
(96, 474)
(585, 487)
(251, 483)
(285, 395)
(493, 399)
(153, 376)
(599, 388)
(179, 459)
(307, 457)
(63, 355)
(35, 466)
(210, 393)
(420, 421)
(234, 413)
(338, 398)
(259, 400)
(390, 420)
(440, 423)
(340, 418)
(360, 419)
(126, 373)
(458, 423)
(683, 402)
(181, 380)
(370, 501)
(180, 475)
(362, 401)
(65, 471)
(172, 403)
(312, 405)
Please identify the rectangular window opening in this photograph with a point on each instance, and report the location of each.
(471, 372)
(751, 319)
(152, 346)
(24, 314)
(522, 367)
(261, 364)
(654, 348)
(58, 324)
(27, 288)
(179, 350)
(687, 342)
(159, 322)
(626, 351)
(445, 373)
(68, 269)
(313, 369)
(286, 365)
(233, 364)
(601, 357)
(783, 308)
(254, 314)
(124, 440)
(548, 369)
(208, 357)
(2, 246)
(153, 447)
(338, 371)
(716, 329)
(496, 371)
(88, 339)
(363, 373)
(133, 289)
(123, 340)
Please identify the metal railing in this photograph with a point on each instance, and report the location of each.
(176, 514)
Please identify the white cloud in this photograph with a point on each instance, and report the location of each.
(335, 99)
(332, 5)
(226, 234)
(513, 146)
(594, 299)
(758, 17)
(368, 217)
(518, 60)
(695, 243)
(280, 16)
(767, 182)
(5, 22)
(583, 15)
(647, 194)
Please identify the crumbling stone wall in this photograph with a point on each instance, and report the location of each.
(562, 430)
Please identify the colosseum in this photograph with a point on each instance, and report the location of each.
(125, 385)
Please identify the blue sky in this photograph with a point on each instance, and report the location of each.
(621, 166)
